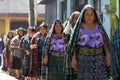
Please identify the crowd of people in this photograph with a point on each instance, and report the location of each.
(77, 50)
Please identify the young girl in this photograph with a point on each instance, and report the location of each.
(37, 46)
(27, 52)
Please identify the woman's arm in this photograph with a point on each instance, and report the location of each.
(33, 46)
(107, 53)
(74, 61)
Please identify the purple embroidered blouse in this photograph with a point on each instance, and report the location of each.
(57, 44)
(90, 37)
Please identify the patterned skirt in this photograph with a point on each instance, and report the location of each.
(9, 63)
(91, 66)
(55, 69)
(26, 65)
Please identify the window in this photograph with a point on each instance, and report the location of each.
(78, 4)
(64, 10)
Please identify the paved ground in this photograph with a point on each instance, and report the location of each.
(5, 76)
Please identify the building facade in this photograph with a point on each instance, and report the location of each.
(14, 14)
(62, 9)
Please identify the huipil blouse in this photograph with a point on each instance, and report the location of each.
(90, 37)
(57, 44)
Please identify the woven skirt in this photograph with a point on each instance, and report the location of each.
(26, 65)
(91, 66)
(55, 68)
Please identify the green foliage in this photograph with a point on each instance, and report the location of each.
(113, 6)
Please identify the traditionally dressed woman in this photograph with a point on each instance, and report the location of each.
(27, 52)
(68, 30)
(10, 35)
(54, 52)
(89, 47)
(37, 46)
(115, 53)
(17, 55)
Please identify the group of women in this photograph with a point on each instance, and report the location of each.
(80, 50)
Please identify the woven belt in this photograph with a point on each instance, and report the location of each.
(57, 54)
(91, 51)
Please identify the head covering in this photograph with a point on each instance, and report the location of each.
(73, 39)
(48, 37)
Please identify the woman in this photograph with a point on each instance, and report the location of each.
(86, 53)
(17, 55)
(67, 34)
(27, 52)
(37, 46)
(8, 50)
(54, 52)
(115, 43)
(70, 25)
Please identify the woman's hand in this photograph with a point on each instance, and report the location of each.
(45, 60)
(74, 63)
(107, 56)
(34, 46)
(27, 52)
(108, 60)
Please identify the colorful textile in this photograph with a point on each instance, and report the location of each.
(115, 53)
(26, 65)
(90, 50)
(52, 74)
(34, 52)
(91, 67)
(36, 55)
(27, 58)
(15, 42)
(55, 68)
(90, 37)
(74, 38)
(40, 47)
(57, 44)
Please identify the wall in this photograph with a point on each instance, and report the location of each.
(51, 11)
(2, 24)
(19, 6)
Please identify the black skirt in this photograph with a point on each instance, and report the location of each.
(16, 63)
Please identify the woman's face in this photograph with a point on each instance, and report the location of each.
(21, 32)
(58, 28)
(75, 17)
(43, 30)
(89, 16)
(10, 35)
(30, 33)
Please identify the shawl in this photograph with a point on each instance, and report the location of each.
(115, 53)
(74, 37)
(48, 38)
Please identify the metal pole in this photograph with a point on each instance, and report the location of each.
(31, 19)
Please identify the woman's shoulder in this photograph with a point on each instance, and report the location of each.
(36, 34)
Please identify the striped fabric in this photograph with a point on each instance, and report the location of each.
(115, 53)
(92, 67)
(55, 68)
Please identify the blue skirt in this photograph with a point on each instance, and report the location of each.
(91, 67)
